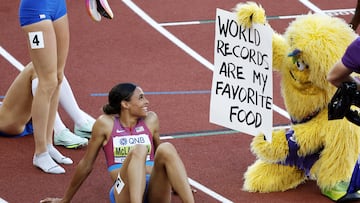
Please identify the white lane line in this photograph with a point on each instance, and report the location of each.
(2, 200)
(192, 53)
(179, 43)
(167, 34)
(331, 12)
(197, 185)
(281, 111)
(312, 6)
(11, 59)
(208, 191)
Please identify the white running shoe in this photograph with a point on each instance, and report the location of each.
(69, 139)
(84, 130)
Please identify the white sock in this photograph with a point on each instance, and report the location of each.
(57, 156)
(34, 85)
(68, 102)
(47, 164)
(58, 125)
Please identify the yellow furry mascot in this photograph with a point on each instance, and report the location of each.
(314, 148)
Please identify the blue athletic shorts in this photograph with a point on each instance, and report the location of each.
(27, 131)
(112, 194)
(117, 166)
(33, 11)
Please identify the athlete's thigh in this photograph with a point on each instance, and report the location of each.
(43, 50)
(16, 108)
(61, 27)
(159, 186)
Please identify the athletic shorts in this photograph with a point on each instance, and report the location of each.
(117, 166)
(33, 11)
(27, 131)
(112, 194)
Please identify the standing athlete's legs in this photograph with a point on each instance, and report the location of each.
(49, 62)
(62, 135)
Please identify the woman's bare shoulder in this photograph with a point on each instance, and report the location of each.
(104, 122)
(151, 117)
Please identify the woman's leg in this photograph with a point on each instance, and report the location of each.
(168, 172)
(133, 174)
(61, 28)
(45, 65)
(15, 111)
(49, 63)
(83, 123)
(62, 135)
(68, 102)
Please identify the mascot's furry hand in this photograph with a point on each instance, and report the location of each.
(98, 8)
(249, 13)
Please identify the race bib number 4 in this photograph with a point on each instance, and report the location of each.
(36, 40)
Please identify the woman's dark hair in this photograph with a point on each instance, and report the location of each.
(118, 93)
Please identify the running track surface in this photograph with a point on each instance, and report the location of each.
(177, 79)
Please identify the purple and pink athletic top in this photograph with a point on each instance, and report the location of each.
(123, 139)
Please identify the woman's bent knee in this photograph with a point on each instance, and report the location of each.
(166, 151)
(138, 151)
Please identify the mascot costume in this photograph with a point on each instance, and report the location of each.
(315, 147)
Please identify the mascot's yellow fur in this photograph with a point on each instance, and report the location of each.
(303, 56)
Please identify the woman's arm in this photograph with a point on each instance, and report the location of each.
(101, 129)
(152, 121)
(339, 74)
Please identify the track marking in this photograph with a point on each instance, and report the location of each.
(311, 6)
(11, 59)
(161, 93)
(194, 183)
(333, 12)
(210, 133)
(275, 107)
(192, 53)
(167, 34)
(208, 191)
(2, 200)
(189, 51)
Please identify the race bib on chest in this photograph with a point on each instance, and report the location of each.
(123, 144)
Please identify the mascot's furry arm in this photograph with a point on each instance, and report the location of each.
(249, 13)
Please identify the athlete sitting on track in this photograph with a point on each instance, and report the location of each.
(62, 135)
(142, 169)
(15, 114)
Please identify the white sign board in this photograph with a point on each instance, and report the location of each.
(242, 86)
